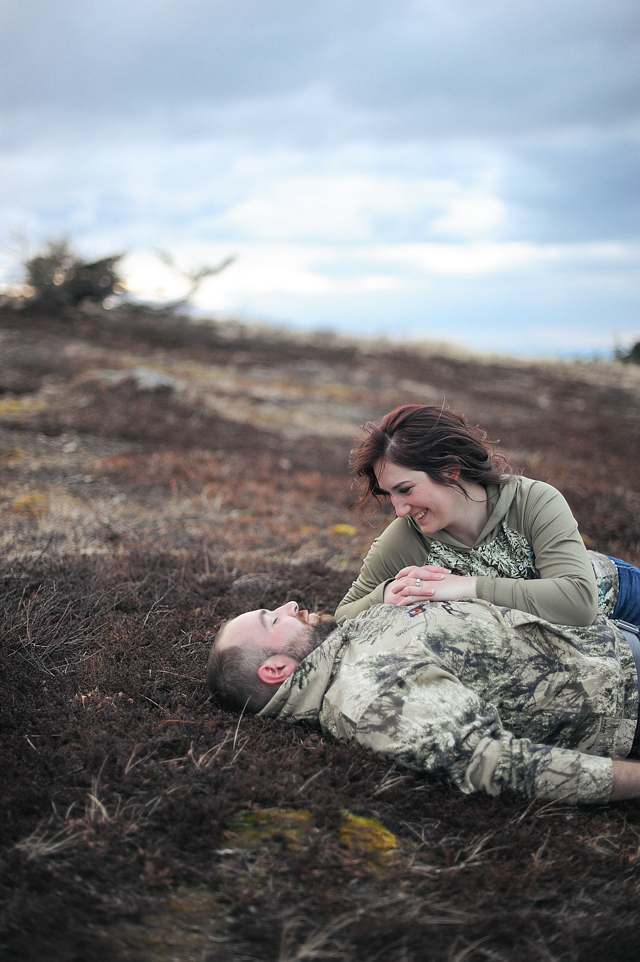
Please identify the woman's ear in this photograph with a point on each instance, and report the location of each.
(455, 474)
(277, 669)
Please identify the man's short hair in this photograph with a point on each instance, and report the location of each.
(232, 675)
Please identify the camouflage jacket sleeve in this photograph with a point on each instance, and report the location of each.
(428, 720)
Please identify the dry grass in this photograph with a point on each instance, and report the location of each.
(134, 521)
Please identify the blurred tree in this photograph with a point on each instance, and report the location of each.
(59, 278)
(194, 278)
(632, 356)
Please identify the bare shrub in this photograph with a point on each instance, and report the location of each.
(59, 278)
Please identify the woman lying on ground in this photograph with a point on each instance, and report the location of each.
(467, 528)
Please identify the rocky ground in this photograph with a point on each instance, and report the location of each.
(157, 477)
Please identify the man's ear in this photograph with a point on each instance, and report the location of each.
(276, 669)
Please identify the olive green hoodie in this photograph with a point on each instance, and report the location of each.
(529, 556)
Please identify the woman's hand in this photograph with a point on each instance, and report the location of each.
(429, 583)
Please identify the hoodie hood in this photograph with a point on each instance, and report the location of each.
(299, 698)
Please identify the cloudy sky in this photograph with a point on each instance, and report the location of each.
(443, 169)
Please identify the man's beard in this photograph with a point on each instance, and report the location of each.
(310, 639)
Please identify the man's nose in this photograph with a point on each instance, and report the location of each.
(290, 608)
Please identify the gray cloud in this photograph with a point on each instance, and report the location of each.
(396, 70)
(582, 189)
(499, 67)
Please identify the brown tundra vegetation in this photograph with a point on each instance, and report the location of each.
(158, 477)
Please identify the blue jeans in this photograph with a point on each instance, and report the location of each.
(628, 603)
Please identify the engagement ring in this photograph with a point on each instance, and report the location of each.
(418, 582)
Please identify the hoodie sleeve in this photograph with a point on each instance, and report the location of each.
(566, 592)
(398, 546)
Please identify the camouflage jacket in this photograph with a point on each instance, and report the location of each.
(492, 697)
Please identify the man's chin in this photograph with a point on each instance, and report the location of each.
(317, 630)
(313, 618)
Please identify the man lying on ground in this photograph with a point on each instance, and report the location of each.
(492, 697)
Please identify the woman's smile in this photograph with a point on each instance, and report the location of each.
(433, 506)
(414, 494)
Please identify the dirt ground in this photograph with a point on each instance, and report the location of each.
(157, 477)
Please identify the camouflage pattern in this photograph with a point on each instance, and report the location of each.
(608, 582)
(492, 697)
(509, 555)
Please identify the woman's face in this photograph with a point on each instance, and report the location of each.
(434, 506)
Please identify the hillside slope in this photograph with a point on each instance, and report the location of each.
(158, 477)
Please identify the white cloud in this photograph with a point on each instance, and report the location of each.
(346, 206)
(290, 270)
(471, 214)
(326, 271)
(480, 257)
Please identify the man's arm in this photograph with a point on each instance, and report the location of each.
(626, 781)
(425, 718)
